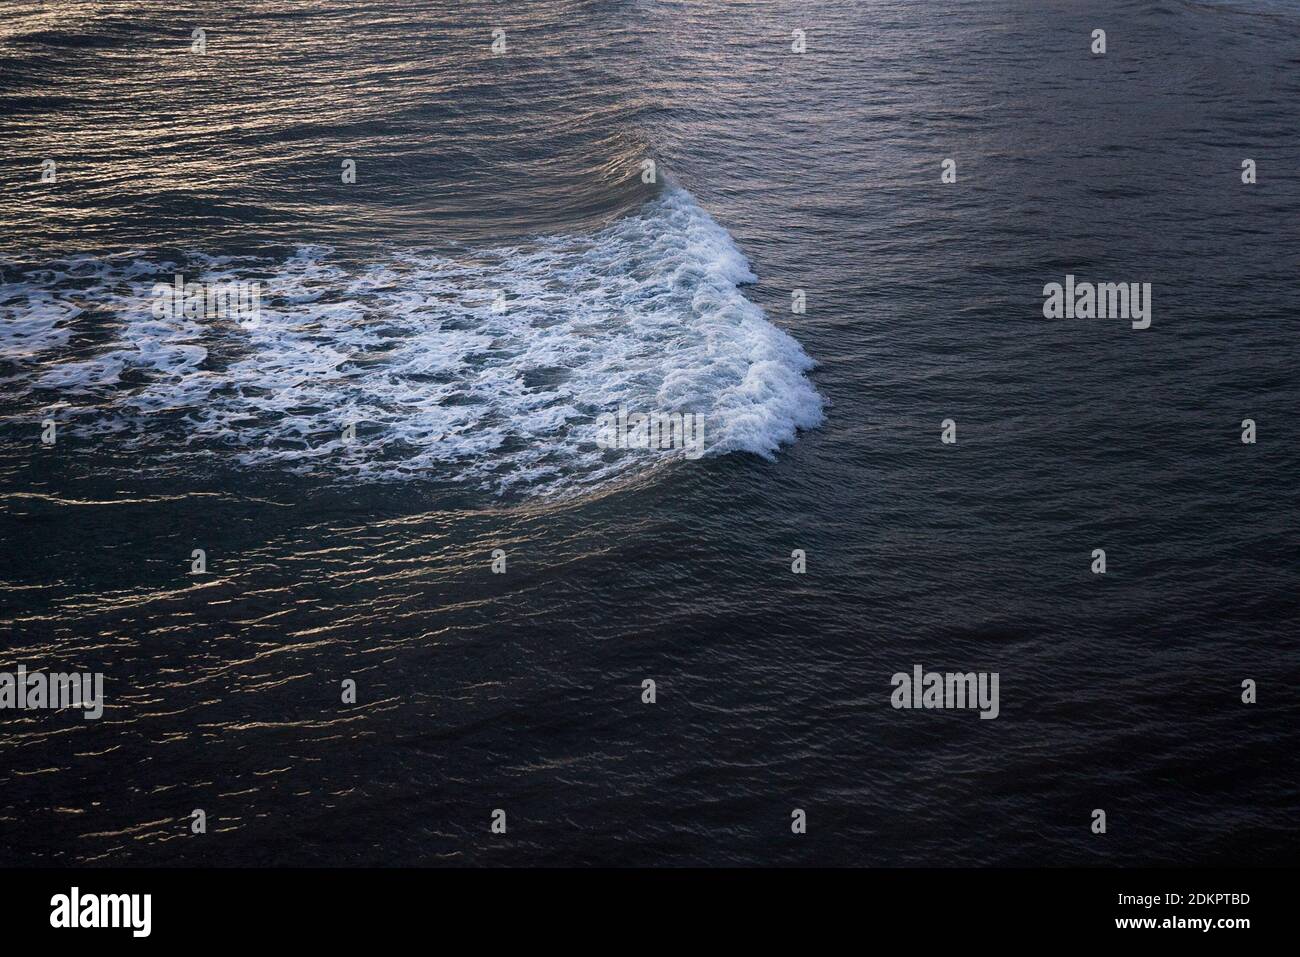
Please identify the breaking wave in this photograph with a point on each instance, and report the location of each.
(489, 366)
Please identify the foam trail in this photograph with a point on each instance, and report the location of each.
(417, 350)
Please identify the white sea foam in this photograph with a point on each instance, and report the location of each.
(646, 313)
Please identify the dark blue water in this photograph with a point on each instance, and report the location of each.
(520, 174)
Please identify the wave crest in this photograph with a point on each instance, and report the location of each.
(487, 366)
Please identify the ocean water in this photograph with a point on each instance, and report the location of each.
(499, 276)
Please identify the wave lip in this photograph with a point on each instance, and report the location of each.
(488, 366)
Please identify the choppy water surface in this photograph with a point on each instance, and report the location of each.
(498, 277)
